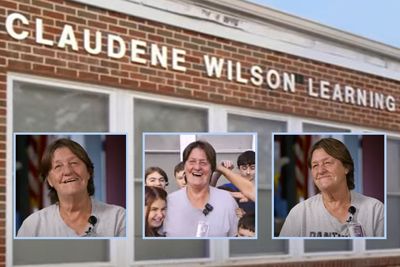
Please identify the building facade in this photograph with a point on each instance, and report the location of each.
(137, 66)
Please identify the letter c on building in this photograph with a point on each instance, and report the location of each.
(10, 26)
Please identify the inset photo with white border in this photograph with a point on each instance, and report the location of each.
(200, 185)
(329, 185)
(69, 185)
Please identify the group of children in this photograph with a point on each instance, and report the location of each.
(242, 188)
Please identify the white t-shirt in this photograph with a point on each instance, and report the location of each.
(310, 218)
(47, 222)
(183, 220)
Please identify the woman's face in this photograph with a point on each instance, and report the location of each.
(328, 173)
(156, 179)
(69, 174)
(197, 169)
(157, 213)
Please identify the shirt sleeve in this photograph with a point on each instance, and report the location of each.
(291, 227)
(121, 223)
(28, 227)
(379, 220)
(233, 219)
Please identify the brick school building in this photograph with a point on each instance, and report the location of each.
(195, 66)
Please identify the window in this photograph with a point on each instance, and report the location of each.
(393, 199)
(264, 244)
(151, 116)
(45, 108)
(328, 245)
(39, 108)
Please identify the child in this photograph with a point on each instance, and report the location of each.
(155, 176)
(246, 226)
(155, 208)
(180, 175)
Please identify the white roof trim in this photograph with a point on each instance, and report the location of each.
(264, 27)
(268, 14)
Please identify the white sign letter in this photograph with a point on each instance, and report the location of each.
(138, 48)
(39, 34)
(273, 79)
(178, 57)
(110, 45)
(324, 89)
(289, 82)
(158, 56)
(10, 26)
(239, 77)
(97, 43)
(256, 77)
(68, 38)
(390, 103)
(213, 67)
(310, 88)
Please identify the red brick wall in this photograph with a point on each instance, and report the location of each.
(28, 57)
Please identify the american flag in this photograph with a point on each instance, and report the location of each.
(35, 149)
(301, 149)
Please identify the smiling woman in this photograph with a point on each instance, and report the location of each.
(336, 211)
(68, 170)
(198, 209)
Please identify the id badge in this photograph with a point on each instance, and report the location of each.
(356, 230)
(202, 229)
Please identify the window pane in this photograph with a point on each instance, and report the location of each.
(393, 166)
(264, 244)
(43, 109)
(152, 116)
(328, 245)
(325, 245)
(309, 128)
(393, 201)
(163, 249)
(393, 221)
(263, 128)
(59, 251)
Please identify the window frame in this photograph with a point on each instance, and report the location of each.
(63, 84)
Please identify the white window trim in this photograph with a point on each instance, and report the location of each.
(217, 122)
(121, 102)
(9, 173)
(121, 107)
(9, 181)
